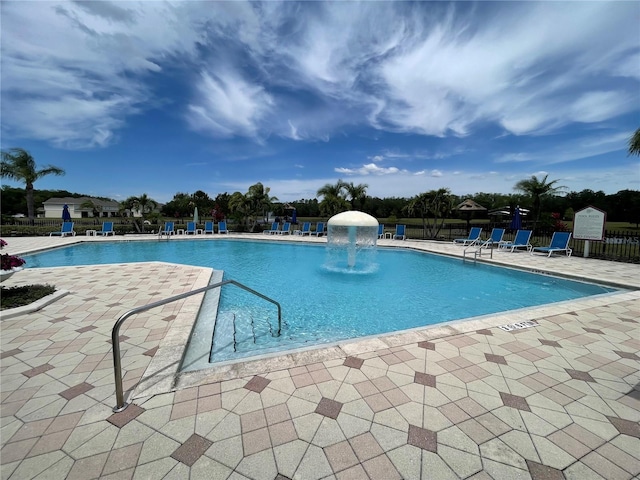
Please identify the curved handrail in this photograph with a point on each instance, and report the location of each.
(115, 338)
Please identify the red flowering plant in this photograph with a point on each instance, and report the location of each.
(558, 224)
(9, 262)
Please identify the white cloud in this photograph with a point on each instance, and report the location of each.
(569, 150)
(313, 70)
(227, 105)
(75, 71)
(368, 169)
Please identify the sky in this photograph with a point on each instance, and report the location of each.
(405, 97)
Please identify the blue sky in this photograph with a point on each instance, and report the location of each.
(165, 97)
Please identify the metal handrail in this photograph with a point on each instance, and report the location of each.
(477, 249)
(115, 338)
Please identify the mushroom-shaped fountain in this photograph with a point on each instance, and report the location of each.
(351, 242)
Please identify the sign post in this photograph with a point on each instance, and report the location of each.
(588, 224)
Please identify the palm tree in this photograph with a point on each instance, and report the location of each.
(143, 204)
(334, 198)
(438, 203)
(634, 143)
(261, 202)
(95, 208)
(18, 164)
(240, 207)
(537, 189)
(356, 193)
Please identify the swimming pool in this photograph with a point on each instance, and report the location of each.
(403, 289)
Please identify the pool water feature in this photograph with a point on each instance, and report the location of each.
(406, 289)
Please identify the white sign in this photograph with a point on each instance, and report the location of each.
(588, 224)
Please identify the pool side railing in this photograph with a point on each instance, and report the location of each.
(115, 337)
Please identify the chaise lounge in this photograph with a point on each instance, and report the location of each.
(521, 241)
(472, 239)
(400, 232)
(107, 229)
(559, 243)
(66, 230)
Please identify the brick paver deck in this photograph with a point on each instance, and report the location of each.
(470, 400)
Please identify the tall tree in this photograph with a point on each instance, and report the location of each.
(634, 143)
(260, 201)
(18, 164)
(143, 204)
(357, 194)
(537, 189)
(240, 207)
(333, 198)
(437, 203)
(96, 209)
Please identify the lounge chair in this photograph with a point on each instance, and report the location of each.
(286, 229)
(521, 241)
(306, 229)
(107, 229)
(168, 229)
(400, 232)
(208, 228)
(222, 227)
(319, 229)
(495, 238)
(472, 239)
(66, 230)
(381, 230)
(559, 243)
(191, 228)
(273, 230)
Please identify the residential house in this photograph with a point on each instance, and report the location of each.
(103, 208)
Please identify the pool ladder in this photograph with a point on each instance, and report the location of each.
(477, 250)
(115, 337)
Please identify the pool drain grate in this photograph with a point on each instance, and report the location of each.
(518, 326)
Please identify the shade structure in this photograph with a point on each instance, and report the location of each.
(470, 207)
(294, 217)
(66, 216)
(195, 215)
(516, 221)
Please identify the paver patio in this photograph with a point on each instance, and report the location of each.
(463, 400)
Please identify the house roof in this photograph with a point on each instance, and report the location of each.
(80, 201)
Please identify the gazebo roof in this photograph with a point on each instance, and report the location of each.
(470, 206)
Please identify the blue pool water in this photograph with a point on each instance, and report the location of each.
(402, 289)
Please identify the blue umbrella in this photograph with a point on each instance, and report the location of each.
(516, 221)
(66, 216)
(294, 217)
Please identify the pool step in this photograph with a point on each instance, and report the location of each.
(240, 330)
(250, 329)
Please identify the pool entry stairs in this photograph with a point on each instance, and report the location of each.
(254, 331)
(240, 330)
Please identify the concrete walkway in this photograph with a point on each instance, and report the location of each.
(464, 400)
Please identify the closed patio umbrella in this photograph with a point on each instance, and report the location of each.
(294, 217)
(66, 216)
(195, 215)
(516, 221)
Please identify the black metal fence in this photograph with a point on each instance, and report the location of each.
(617, 246)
